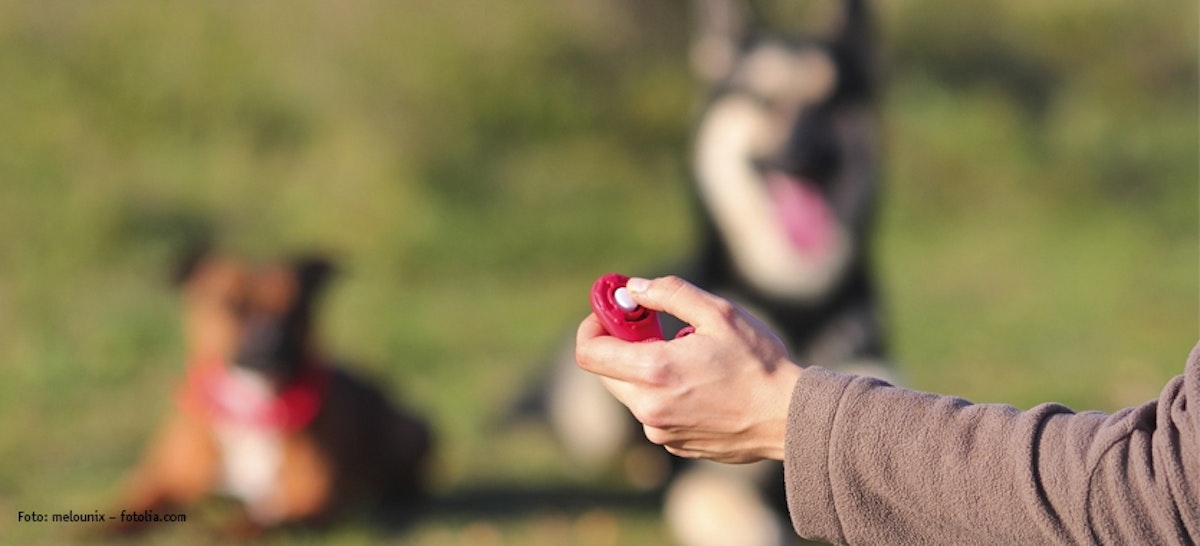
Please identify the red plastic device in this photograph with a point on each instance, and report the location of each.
(636, 324)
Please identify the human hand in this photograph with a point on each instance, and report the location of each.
(721, 393)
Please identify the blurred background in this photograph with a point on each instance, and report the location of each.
(474, 166)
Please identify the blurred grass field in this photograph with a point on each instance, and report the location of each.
(475, 165)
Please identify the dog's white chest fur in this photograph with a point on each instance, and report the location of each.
(251, 456)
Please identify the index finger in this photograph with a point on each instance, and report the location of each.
(683, 299)
(602, 354)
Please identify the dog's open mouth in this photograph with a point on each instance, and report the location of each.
(802, 211)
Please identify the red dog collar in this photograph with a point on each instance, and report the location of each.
(212, 394)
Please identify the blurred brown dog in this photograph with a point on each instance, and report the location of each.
(264, 416)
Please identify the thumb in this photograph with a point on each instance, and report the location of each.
(680, 298)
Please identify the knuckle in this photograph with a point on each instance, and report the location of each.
(671, 285)
(653, 414)
(583, 357)
(659, 373)
(682, 452)
(672, 281)
(725, 311)
(656, 435)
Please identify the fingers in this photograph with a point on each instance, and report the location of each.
(608, 356)
(589, 329)
(680, 298)
(681, 446)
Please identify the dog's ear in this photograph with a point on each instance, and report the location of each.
(189, 260)
(314, 272)
(719, 30)
(854, 40)
(855, 22)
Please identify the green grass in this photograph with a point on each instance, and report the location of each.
(467, 164)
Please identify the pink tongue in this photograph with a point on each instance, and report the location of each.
(805, 216)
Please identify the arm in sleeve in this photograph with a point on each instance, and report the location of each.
(870, 463)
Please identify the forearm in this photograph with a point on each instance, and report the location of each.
(871, 463)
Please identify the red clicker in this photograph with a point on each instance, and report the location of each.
(621, 316)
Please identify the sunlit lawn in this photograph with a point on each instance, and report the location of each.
(474, 170)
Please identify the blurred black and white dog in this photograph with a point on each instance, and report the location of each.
(785, 161)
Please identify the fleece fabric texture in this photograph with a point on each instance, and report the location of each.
(870, 463)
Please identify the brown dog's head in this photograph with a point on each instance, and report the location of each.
(255, 316)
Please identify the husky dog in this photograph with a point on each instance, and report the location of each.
(786, 160)
(785, 164)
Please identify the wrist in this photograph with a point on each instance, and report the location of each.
(783, 384)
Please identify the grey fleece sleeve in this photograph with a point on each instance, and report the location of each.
(870, 463)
